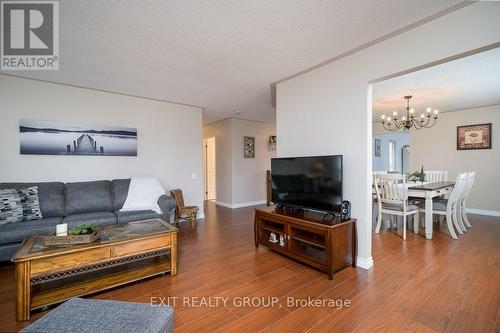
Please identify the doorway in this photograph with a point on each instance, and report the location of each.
(210, 169)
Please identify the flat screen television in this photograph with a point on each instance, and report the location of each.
(313, 182)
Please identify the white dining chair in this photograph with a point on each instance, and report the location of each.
(471, 177)
(374, 195)
(392, 199)
(450, 208)
(436, 176)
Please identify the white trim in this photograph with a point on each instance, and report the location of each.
(483, 212)
(241, 204)
(223, 204)
(365, 263)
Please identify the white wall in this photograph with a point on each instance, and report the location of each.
(328, 110)
(381, 163)
(436, 149)
(240, 181)
(168, 147)
(249, 174)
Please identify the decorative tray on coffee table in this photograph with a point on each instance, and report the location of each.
(53, 240)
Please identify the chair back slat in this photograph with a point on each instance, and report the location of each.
(470, 181)
(436, 176)
(460, 184)
(179, 198)
(390, 188)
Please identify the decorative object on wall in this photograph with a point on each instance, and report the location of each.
(271, 143)
(249, 146)
(378, 147)
(41, 137)
(474, 137)
(406, 122)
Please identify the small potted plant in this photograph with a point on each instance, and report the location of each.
(418, 175)
(83, 229)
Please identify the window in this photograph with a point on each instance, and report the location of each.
(392, 155)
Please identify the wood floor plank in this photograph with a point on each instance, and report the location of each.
(256, 321)
(467, 322)
(367, 300)
(215, 319)
(438, 311)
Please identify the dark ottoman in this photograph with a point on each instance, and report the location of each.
(89, 316)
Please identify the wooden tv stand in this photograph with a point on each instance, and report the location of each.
(327, 246)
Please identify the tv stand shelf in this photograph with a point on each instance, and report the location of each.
(328, 246)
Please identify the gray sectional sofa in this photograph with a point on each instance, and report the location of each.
(96, 202)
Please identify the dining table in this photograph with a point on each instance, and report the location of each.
(428, 191)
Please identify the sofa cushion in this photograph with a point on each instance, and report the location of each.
(17, 232)
(437, 204)
(399, 208)
(7, 251)
(120, 192)
(50, 196)
(89, 315)
(98, 218)
(19, 205)
(136, 215)
(86, 197)
(11, 209)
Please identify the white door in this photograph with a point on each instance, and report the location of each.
(210, 186)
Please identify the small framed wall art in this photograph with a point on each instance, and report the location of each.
(474, 137)
(378, 147)
(249, 146)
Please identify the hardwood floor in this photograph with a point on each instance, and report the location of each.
(418, 285)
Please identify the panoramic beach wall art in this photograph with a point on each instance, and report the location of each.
(42, 137)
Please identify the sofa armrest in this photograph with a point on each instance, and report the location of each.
(167, 205)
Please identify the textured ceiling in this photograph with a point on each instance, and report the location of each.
(465, 83)
(218, 54)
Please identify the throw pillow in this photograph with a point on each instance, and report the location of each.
(19, 205)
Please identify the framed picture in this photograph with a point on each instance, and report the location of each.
(43, 137)
(474, 137)
(378, 147)
(249, 146)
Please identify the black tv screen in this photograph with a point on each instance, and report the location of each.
(309, 182)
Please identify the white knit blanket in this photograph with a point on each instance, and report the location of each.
(143, 194)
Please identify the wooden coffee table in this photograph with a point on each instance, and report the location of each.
(125, 253)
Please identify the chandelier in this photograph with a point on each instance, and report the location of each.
(394, 124)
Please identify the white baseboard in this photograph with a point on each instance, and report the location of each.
(240, 204)
(365, 263)
(483, 212)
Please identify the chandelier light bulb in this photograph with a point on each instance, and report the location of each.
(412, 110)
(429, 110)
(388, 118)
(422, 116)
(383, 116)
(404, 118)
(436, 112)
(395, 113)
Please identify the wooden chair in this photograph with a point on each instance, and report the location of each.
(436, 176)
(182, 211)
(392, 195)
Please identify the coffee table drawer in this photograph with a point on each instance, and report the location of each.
(70, 260)
(139, 246)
